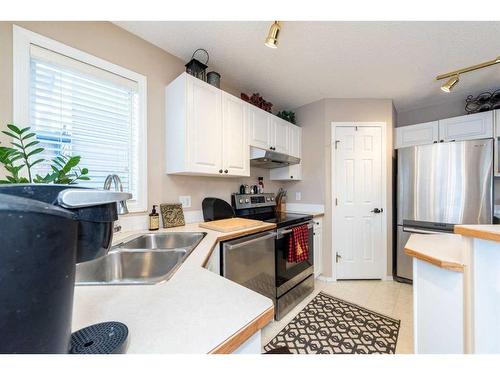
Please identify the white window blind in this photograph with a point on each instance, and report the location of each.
(79, 109)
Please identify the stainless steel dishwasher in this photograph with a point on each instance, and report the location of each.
(250, 261)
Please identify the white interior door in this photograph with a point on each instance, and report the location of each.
(358, 240)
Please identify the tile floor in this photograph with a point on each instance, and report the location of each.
(386, 297)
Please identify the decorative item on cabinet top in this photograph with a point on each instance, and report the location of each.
(287, 116)
(197, 68)
(213, 78)
(486, 101)
(172, 215)
(257, 100)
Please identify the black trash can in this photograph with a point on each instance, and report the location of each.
(38, 248)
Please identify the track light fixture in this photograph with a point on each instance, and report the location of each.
(450, 83)
(272, 36)
(454, 77)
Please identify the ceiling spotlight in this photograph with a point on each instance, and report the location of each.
(450, 83)
(272, 36)
(454, 76)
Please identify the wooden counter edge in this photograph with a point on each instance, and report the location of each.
(451, 266)
(477, 233)
(235, 341)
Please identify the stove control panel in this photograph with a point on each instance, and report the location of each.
(242, 201)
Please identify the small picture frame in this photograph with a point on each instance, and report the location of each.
(172, 215)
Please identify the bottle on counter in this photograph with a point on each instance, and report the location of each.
(154, 219)
(261, 185)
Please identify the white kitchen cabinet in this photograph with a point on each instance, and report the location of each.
(295, 141)
(318, 245)
(200, 121)
(280, 130)
(475, 126)
(267, 131)
(419, 134)
(259, 126)
(292, 172)
(236, 152)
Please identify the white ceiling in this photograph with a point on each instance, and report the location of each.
(316, 60)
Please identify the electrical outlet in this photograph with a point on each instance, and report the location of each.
(298, 196)
(185, 201)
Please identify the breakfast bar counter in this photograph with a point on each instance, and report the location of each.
(456, 289)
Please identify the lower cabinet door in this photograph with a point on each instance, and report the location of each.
(318, 246)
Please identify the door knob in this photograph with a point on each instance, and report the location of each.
(377, 210)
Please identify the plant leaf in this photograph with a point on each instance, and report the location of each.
(35, 151)
(12, 135)
(36, 162)
(85, 178)
(32, 144)
(17, 145)
(85, 171)
(24, 129)
(14, 128)
(29, 135)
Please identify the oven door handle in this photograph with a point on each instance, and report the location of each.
(253, 240)
(282, 232)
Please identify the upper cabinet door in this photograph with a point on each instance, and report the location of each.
(259, 126)
(414, 135)
(236, 152)
(204, 121)
(475, 126)
(280, 129)
(295, 142)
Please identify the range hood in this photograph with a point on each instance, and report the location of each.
(270, 159)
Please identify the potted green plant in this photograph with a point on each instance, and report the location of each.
(20, 159)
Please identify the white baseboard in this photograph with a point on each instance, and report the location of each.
(388, 278)
(326, 279)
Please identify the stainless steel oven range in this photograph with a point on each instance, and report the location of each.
(260, 261)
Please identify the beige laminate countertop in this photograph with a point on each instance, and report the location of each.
(314, 214)
(484, 232)
(443, 250)
(196, 311)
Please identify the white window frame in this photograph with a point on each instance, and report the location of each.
(22, 40)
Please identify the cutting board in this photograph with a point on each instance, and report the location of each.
(231, 225)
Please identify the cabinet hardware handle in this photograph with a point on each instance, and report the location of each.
(226, 171)
(441, 141)
(291, 176)
(377, 210)
(220, 170)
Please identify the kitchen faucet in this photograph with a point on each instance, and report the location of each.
(122, 205)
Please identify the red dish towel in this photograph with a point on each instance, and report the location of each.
(298, 249)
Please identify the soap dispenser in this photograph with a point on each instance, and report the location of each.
(154, 219)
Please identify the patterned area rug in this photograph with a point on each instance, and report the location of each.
(328, 325)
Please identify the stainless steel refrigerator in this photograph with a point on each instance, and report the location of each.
(441, 185)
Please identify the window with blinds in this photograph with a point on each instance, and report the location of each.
(79, 109)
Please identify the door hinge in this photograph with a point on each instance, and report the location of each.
(336, 202)
(356, 128)
(337, 257)
(336, 144)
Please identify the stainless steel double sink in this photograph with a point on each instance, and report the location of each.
(142, 259)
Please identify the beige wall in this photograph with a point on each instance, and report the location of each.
(316, 119)
(450, 108)
(109, 42)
